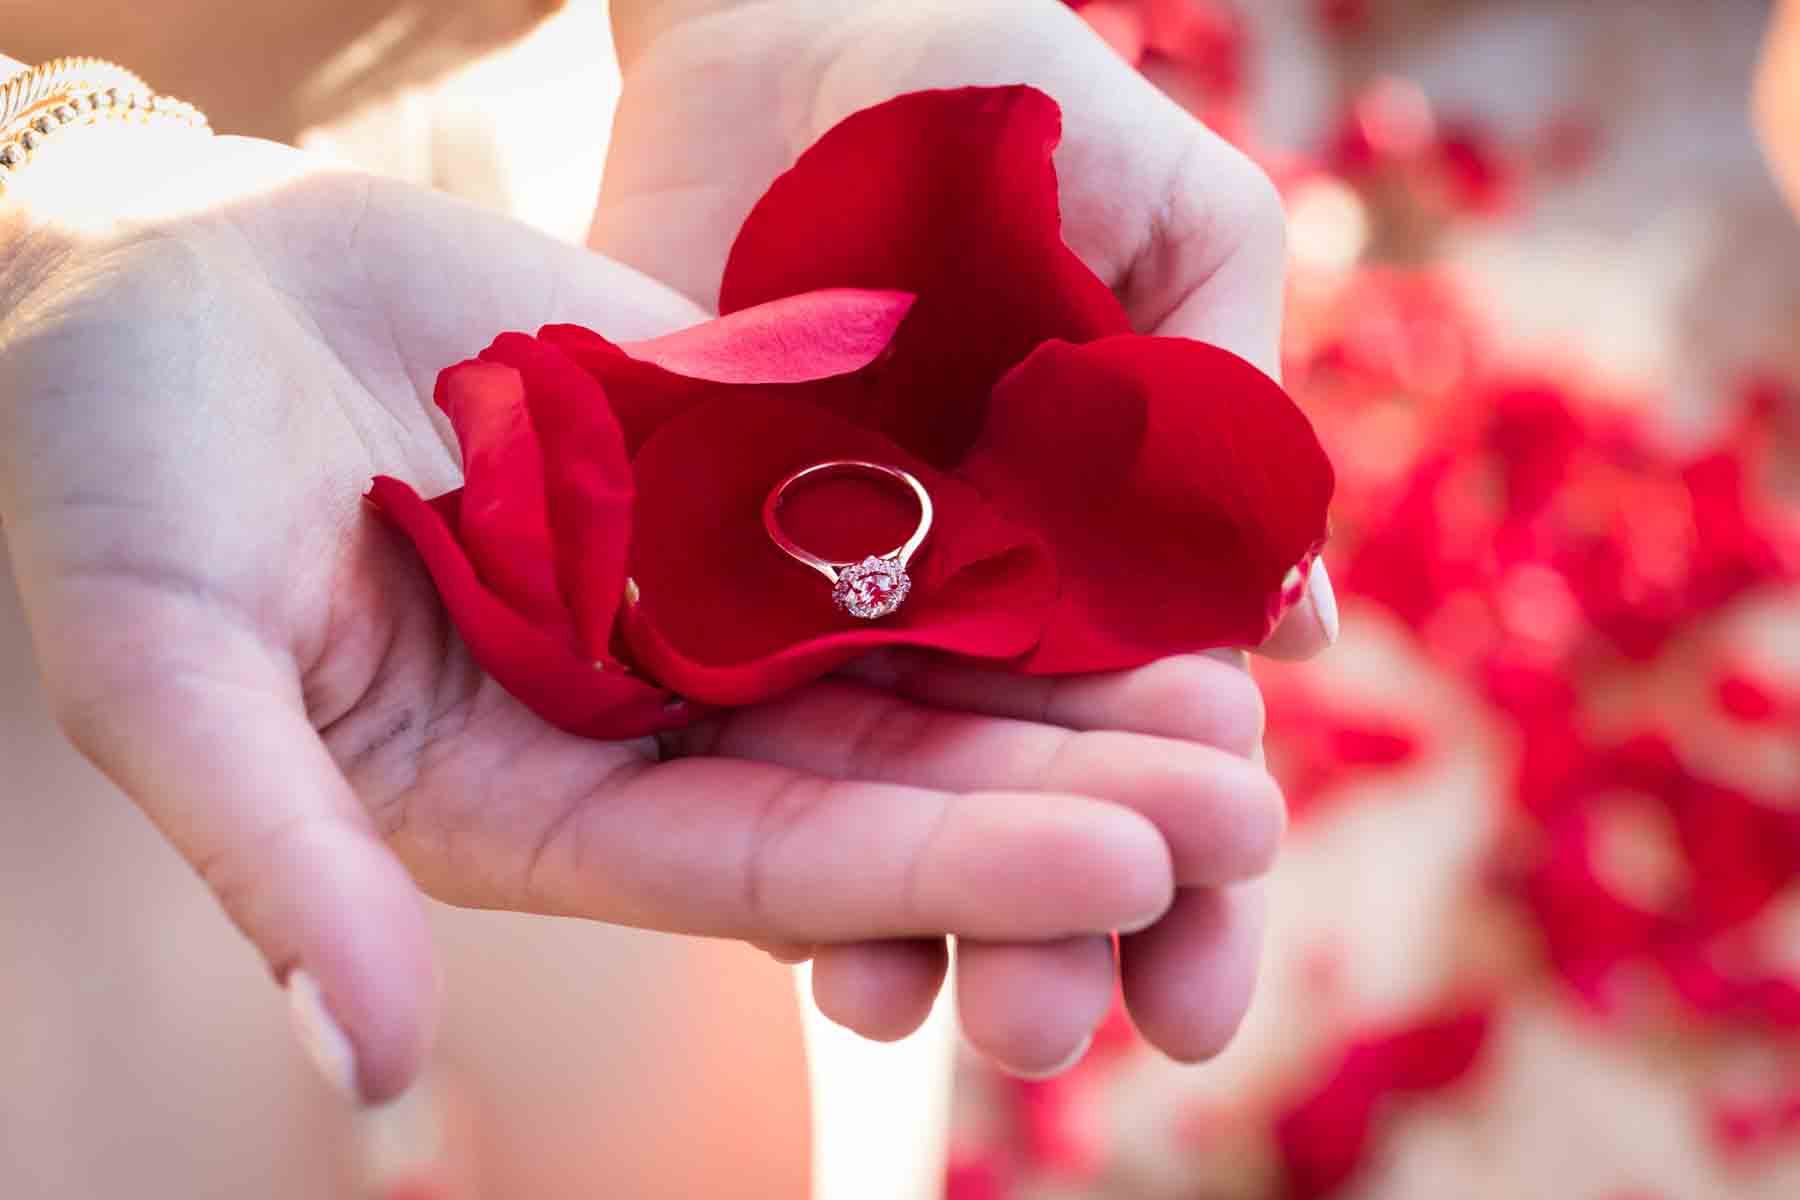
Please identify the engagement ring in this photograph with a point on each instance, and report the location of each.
(874, 586)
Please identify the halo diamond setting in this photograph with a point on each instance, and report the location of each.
(872, 588)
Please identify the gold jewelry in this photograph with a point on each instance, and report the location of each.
(38, 103)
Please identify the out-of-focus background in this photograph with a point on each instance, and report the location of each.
(1536, 931)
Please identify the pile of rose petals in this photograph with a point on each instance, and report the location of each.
(902, 295)
(1605, 813)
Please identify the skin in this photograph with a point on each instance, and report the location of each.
(1775, 100)
(1191, 236)
(363, 50)
(200, 374)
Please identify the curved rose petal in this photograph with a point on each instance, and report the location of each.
(950, 195)
(1325, 1135)
(1177, 487)
(795, 340)
(1436, 1052)
(727, 618)
(502, 525)
(643, 396)
(815, 335)
(546, 675)
(587, 482)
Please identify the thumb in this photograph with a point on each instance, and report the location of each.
(1311, 625)
(1216, 271)
(223, 759)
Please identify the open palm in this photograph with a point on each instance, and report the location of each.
(720, 97)
(196, 399)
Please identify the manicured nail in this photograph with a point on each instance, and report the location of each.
(1324, 599)
(1079, 1053)
(404, 1143)
(323, 1038)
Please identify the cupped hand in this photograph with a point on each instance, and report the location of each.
(721, 96)
(196, 392)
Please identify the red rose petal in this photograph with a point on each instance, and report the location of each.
(1056, 1132)
(548, 676)
(975, 1175)
(1325, 1135)
(587, 482)
(950, 195)
(1176, 484)
(1748, 697)
(727, 618)
(503, 526)
(642, 395)
(1320, 741)
(1436, 1053)
(794, 340)
(791, 340)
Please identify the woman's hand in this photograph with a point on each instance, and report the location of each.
(721, 96)
(193, 396)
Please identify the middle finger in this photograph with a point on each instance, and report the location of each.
(1221, 815)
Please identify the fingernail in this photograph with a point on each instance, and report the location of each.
(404, 1143)
(1324, 599)
(323, 1038)
(1079, 1053)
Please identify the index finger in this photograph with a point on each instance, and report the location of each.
(734, 848)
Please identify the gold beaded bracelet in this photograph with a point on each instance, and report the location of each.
(37, 103)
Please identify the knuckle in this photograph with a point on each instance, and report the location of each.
(239, 874)
(1249, 714)
(569, 846)
(1209, 701)
(1261, 214)
(1268, 823)
(1068, 760)
(921, 866)
(1223, 200)
(782, 808)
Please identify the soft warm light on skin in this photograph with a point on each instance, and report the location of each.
(1777, 99)
(104, 178)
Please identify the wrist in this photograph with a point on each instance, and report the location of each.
(80, 140)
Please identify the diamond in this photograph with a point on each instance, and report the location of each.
(872, 588)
